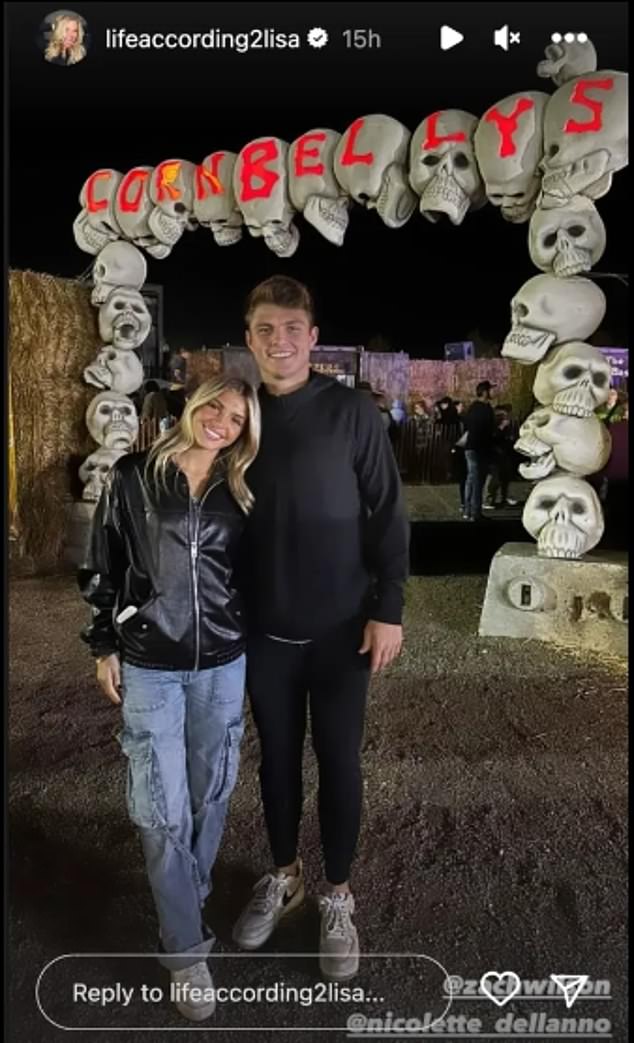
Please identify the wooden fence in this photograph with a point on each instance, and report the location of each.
(149, 430)
(427, 458)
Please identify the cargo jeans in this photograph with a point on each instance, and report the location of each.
(181, 735)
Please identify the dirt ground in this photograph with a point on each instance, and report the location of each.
(494, 836)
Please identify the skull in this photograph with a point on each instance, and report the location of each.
(260, 181)
(117, 265)
(112, 420)
(585, 136)
(443, 170)
(509, 146)
(313, 187)
(548, 311)
(564, 515)
(117, 369)
(567, 240)
(371, 162)
(94, 471)
(124, 319)
(575, 379)
(171, 189)
(565, 443)
(133, 207)
(96, 224)
(565, 60)
(215, 204)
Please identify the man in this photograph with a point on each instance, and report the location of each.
(328, 557)
(502, 463)
(480, 430)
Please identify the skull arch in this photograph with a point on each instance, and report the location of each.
(547, 311)
(575, 380)
(215, 204)
(124, 319)
(509, 146)
(565, 60)
(443, 169)
(563, 514)
(112, 420)
(96, 224)
(118, 265)
(94, 471)
(133, 207)
(581, 154)
(260, 182)
(171, 189)
(120, 370)
(313, 187)
(567, 240)
(555, 441)
(371, 162)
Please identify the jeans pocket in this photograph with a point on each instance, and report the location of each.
(144, 790)
(229, 762)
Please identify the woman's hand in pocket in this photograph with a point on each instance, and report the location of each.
(109, 677)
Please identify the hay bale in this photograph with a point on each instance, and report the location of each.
(53, 335)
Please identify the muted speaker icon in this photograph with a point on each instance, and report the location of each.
(504, 36)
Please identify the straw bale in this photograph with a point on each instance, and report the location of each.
(53, 335)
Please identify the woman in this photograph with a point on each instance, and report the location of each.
(168, 631)
(66, 44)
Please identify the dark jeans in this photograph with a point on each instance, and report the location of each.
(477, 466)
(501, 475)
(334, 677)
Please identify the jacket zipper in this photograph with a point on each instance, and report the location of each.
(193, 552)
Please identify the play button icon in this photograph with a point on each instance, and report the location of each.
(449, 37)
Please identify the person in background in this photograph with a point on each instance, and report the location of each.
(479, 434)
(615, 478)
(446, 413)
(389, 423)
(397, 412)
(458, 469)
(422, 422)
(154, 405)
(613, 410)
(168, 636)
(501, 464)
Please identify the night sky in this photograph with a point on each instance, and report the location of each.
(419, 286)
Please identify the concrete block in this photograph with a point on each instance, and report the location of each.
(583, 604)
(78, 532)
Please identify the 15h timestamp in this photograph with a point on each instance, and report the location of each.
(362, 39)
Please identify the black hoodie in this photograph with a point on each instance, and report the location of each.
(328, 536)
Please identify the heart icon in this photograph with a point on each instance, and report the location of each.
(511, 989)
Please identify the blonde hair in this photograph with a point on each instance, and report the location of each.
(236, 458)
(55, 46)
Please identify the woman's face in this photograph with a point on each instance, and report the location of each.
(221, 422)
(71, 34)
(612, 396)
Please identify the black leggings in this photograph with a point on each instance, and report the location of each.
(335, 677)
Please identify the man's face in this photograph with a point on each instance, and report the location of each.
(281, 340)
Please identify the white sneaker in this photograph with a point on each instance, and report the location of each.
(273, 897)
(338, 940)
(192, 991)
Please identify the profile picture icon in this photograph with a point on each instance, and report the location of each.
(64, 38)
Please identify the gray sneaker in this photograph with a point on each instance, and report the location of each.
(273, 897)
(338, 940)
(192, 991)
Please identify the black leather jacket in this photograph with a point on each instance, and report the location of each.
(159, 572)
